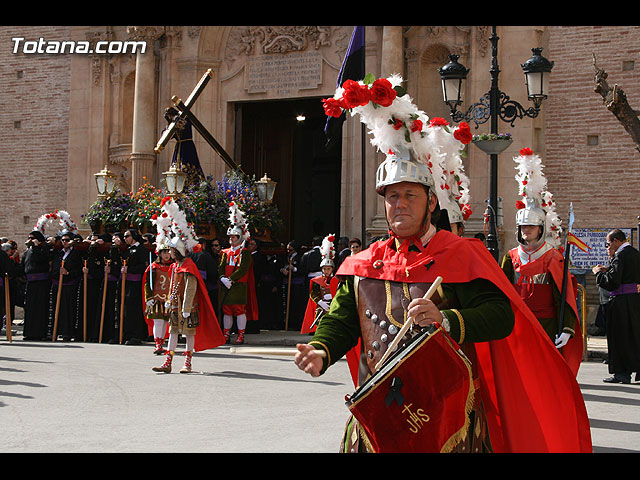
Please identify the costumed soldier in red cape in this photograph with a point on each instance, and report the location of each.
(236, 275)
(157, 281)
(525, 397)
(190, 311)
(321, 288)
(536, 265)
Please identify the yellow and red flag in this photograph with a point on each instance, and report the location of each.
(573, 240)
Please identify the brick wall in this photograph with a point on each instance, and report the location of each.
(601, 180)
(35, 99)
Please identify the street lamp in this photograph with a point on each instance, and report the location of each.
(537, 71)
(105, 182)
(266, 188)
(174, 179)
(493, 105)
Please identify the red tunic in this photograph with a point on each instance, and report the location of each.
(539, 296)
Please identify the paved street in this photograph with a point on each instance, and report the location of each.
(83, 397)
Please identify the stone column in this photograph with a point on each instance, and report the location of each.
(144, 108)
(392, 62)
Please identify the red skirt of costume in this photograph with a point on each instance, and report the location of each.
(208, 334)
(530, 394)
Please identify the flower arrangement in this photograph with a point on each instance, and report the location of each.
(491, 137)
(111, 211)
(146, 202)
(208, 202)
(204, 202)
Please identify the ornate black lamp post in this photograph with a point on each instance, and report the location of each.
(494, 105)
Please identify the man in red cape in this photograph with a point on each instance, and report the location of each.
(526, 398)
(536, 267)
(531, 398)
(195, 319)
(526, 392)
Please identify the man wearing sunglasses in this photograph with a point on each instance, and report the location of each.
(137, 260)
(66, 265)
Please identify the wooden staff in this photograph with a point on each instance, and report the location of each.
(286, 320)
(434, 286)
(286, 352)
(124, 280)
(7, 307)
(84, 302)
(104, 300)
(55, 319)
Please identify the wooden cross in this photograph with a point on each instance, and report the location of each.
(185, 112)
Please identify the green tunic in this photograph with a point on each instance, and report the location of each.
(237, 294)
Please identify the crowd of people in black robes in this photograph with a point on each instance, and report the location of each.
(89, 306)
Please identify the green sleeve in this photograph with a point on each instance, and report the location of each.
(221, 265)
(484, 312)
(507, 267)
(339, 329)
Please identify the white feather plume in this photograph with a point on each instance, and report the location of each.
(60, 219)
(327, 249)
(532, 185)
(237, 219)
(172, 222)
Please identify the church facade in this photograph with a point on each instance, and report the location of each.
(72, 114)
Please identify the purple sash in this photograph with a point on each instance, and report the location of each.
(625, 289)
(134, 277)
(36, 277)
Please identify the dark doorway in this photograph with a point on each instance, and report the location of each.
(272, 139)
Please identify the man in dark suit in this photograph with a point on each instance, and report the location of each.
(310, 261)
(68, 262)
(621, 279)
(137, 256)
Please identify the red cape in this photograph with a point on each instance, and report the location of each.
(149, 321)
(532, 400)
(208, 333)
(554, 264)
(353, 355)
(310, 312)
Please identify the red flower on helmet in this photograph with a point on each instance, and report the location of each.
(463, 133)
(382, 92)
(438, 122)
(355, 95)
(332, 107)
(526, 151)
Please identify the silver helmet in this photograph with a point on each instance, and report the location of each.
(531, 214)
(179, 245)
(400, 167)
